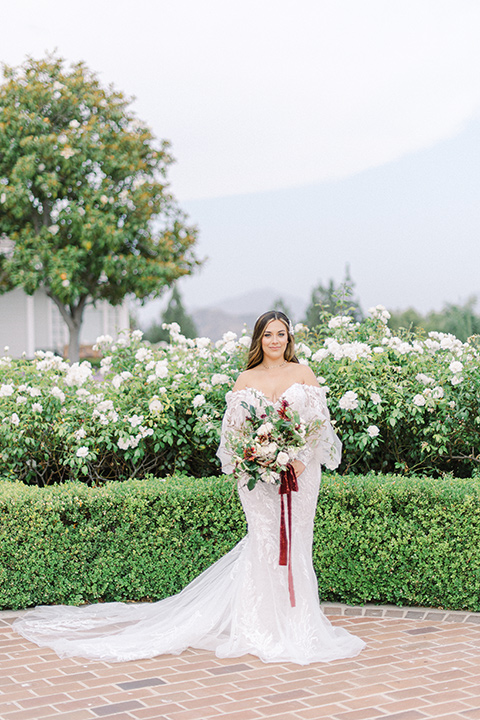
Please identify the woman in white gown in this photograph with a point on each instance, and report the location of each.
(242, 603)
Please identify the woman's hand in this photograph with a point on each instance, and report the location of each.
(298, 466)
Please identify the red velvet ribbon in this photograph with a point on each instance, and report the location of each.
(288, 484)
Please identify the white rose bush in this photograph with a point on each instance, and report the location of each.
(406, 404)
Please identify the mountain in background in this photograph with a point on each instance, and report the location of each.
(232, 313)
(238, 311)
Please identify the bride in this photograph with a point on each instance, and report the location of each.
(244, 603)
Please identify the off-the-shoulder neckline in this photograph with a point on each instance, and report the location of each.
(270, 400)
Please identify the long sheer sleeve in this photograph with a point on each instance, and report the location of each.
(323, 445)
(232, 421)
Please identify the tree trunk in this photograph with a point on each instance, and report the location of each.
(74, 343)
(73, 316)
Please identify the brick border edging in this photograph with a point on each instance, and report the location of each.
(393, 611)
(371, 611)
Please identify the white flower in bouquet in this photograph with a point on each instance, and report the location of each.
(269, 476)
(282, 458)
(265, 429)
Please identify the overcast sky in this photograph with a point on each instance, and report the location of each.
(286, 116)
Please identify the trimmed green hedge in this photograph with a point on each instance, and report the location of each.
(381, 539)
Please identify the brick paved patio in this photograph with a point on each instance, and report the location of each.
(417, 664)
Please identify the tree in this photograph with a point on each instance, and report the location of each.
(174, 312)
(333, 300)
(280, 304)
(85, 212)
(459, 320)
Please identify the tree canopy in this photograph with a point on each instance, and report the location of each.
(85, 209)
(173, 313)
(333, 299)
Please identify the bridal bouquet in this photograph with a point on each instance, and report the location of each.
(270, 439)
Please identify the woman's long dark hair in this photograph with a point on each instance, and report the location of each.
(255, 356)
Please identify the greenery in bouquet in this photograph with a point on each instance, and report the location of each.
(269, 439)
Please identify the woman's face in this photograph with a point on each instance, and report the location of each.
(275, 340)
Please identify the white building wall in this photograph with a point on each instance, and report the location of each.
(35, 323)
(13, 322)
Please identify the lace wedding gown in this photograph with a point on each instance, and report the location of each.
(241, 603)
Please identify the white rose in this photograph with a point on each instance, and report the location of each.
(282, 458)
(320, 355)
(373, 431)
(82, 452)
(219, 379)
(57, 393)
(161, 370)
(155, 406)
(456, 367)
(198, 400)
(419, 400)
(349, 401)
(375, 398)
(142, 354)
(265, 428)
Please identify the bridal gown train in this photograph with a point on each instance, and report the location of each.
(241, 603)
